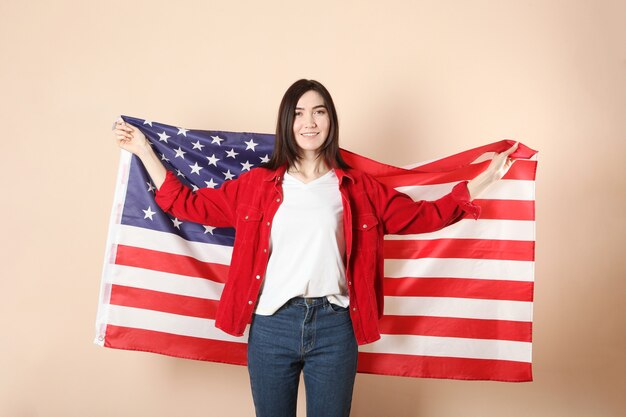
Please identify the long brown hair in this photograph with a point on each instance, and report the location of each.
(286, 150)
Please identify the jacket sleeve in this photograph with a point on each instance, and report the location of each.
(402, 215)
(215, 207)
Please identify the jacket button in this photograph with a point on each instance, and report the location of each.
(246, 217)
(353, 308)
(278, 200)
(364, 226)
(349, 282)
(258, 277)
(250, 302)
(268, 223)
(264, 250)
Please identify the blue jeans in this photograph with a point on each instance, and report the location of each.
(309, 335)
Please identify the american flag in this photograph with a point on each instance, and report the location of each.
(458, 302)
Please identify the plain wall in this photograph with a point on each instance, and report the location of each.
(412, 80)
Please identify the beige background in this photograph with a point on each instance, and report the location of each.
(413, 80)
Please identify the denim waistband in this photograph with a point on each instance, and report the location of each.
(308, 301)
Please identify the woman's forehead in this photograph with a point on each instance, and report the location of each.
(310, 99)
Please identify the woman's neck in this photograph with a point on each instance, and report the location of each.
(308, 169)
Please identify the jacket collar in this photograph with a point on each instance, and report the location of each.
(278, 174)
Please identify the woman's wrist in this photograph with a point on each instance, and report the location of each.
(145, 151)
(479, 184)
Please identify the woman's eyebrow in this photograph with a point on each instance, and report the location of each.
(314, 107)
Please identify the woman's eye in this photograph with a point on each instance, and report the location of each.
(298, 113)
(322, 112)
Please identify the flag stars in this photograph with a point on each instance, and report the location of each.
(195, 168)
(179, 153)
(265, 158)
(228, 175)
(212, 160)
(250, 145)
(210, 183)
(217, 139)
(163, 137)
(179, 173)
(148, 122)
(246, 166)
(232, 153)
(164, 158)
(177, 223)
(197, 145)
(194, 187)
(151, 187)
(208, 229)
(148, 213)
(182, 131)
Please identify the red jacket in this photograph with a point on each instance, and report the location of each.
(370, 210)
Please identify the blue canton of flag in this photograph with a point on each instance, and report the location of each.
(200, 159)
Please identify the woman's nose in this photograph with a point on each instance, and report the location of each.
(310, 122)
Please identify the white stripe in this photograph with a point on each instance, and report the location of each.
(110, 251)
(158, 321)
(454, 347)
(479, 229)
(168, 242)
(466, 308)
(460, 268)
(164, 282)
(501, 190)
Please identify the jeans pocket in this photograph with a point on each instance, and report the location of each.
(337, 309)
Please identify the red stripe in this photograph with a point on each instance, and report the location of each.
(372, 363)
(168, 262)
(516, 250)
(521, 170)
(518, 331)
(441, 367)
(451, 163)
(161, 301)
(462, 158)
(176, 345)
(486, 289)
(506, 209)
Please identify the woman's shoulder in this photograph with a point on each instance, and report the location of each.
(258, 173)
(359, 175)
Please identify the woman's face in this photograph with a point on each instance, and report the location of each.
(311, 122)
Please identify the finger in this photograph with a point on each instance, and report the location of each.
(124, 135)
(121, 122)
(117, 122)
(125, 128)
(509, 162)
(122, 129)
(511, 149)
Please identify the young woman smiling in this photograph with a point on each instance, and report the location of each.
(307, 265)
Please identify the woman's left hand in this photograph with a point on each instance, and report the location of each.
(501, 163)
(498, 167)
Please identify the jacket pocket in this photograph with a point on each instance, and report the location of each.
(248, 225)
(365, 236)
(247, 214)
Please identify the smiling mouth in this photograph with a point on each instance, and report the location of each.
(310, 135)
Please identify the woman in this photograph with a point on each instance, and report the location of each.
(307, 266)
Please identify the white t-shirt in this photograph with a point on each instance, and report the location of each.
(307, 245)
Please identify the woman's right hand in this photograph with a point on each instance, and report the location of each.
(133, 140)
(130, 138)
